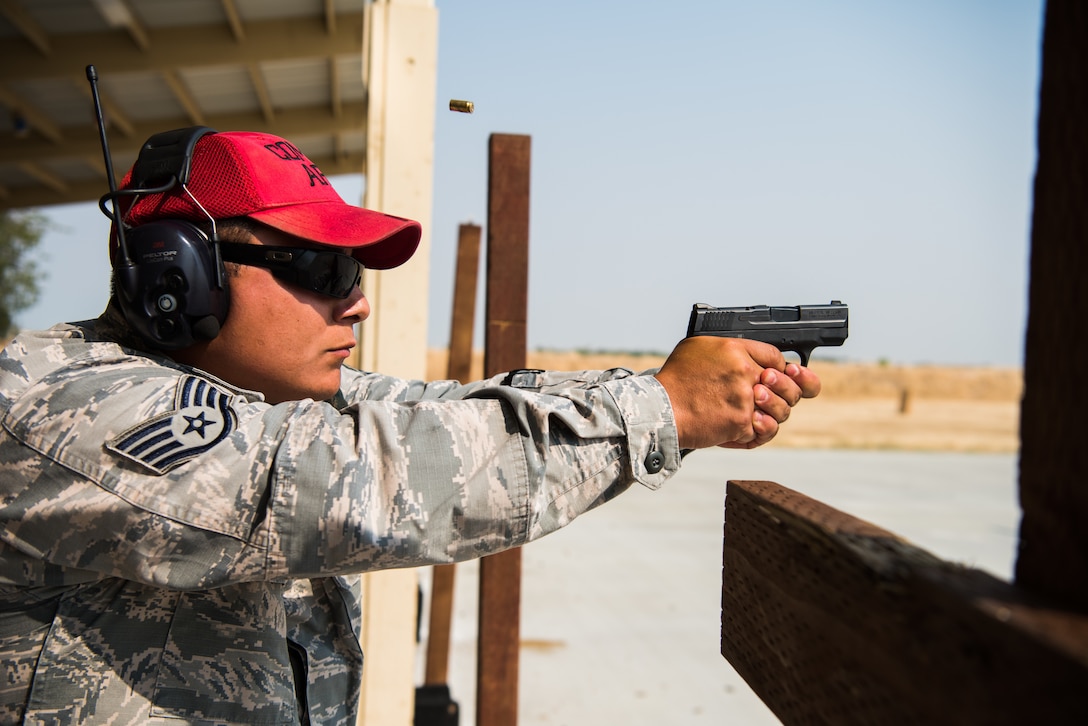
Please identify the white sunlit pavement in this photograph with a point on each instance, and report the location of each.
(621, 616)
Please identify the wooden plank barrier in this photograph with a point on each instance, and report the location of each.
(832, 620)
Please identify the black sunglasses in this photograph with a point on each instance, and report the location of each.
(328, 273)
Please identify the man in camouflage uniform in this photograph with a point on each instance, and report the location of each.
(181, 529)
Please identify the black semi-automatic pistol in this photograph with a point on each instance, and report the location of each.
(799, 329)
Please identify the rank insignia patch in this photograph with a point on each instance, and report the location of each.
(202, 417)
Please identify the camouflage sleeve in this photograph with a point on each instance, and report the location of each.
(178, 481)
(481, 467)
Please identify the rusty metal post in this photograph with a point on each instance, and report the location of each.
(505, 348)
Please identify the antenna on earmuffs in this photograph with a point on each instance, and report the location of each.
(92, 76)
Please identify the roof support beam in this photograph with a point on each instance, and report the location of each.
(44, 176)
(136, 29)
(330, 16)
(184, 97)
(336, 100)
(260, 87)
(290, 123)
(234, 20)
(113, 115)
(26, 25)
(36, 120)
(266, 41)
(118, 13)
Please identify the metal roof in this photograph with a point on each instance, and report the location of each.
(289, 67)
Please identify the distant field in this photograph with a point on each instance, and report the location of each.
(865, 406)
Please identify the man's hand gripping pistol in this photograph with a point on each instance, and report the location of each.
(799, 329)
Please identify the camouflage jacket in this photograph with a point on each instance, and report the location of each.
(175, 550)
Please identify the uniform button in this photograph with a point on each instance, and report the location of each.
(655, 462)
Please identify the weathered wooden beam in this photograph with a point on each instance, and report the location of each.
(25, 24)
(114, 117)
(136, 30)
(832, 620)
(237, 27)
(266, 41)
(43, 175)
(504, 350)
(1053, 554)
(290, 123)
(32, 115)
(184, 96)
(507, 253)
(260, 88)
(459, 365)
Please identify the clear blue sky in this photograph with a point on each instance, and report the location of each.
(734, 153)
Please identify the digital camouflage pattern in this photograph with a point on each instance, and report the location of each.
(175, 550)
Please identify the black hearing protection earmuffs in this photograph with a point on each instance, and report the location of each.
(168, 275)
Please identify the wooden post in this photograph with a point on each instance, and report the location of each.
(464, 303)
(507, 305)
(401, 65)
(457, 368)
(1053, 555)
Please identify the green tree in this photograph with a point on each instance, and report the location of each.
(20, 233)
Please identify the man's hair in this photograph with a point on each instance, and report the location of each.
(232, 229)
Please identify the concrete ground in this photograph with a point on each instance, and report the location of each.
(621, 616)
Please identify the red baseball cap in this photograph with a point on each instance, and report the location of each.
(267, 178)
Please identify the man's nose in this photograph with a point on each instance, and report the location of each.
(357, 306)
